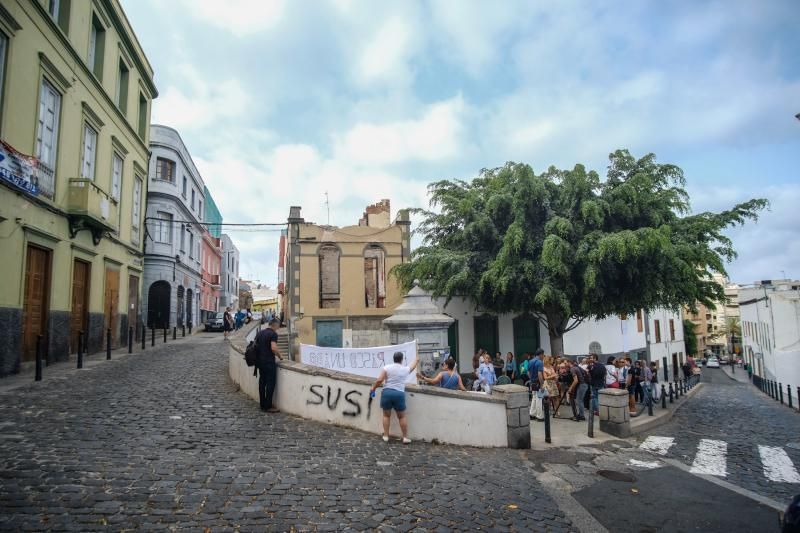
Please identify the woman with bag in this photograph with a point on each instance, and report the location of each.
(612, 374)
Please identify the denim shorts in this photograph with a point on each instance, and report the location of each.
(393, 399)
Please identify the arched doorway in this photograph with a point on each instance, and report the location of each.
(189, 307)
(158, 305)
(180, 307)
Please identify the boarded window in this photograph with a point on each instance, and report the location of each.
(658, 331)
(639, 325)
(329, 277)
(374, 277)
(671, 329)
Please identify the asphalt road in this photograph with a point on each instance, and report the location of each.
(162, 440)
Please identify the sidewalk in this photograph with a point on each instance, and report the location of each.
(565, 432)
(64, 369)
(739, 375)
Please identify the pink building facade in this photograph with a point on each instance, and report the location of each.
(211, 266)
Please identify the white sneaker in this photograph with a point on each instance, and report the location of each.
(406, 440)
(385, 438)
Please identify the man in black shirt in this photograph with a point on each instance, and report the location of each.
(267, 350)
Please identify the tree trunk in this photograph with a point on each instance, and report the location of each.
(555, 329)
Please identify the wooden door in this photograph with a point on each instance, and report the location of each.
(81, 272)
(486, 334)
(526, 335)
(133, 305)
(111, 303)
(36, 304)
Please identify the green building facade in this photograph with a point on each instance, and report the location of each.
(212, 215)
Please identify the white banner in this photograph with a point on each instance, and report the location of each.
(360, 361)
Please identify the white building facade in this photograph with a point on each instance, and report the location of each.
(172, 267)
(229, 295)
(651, 336)
(770, 323)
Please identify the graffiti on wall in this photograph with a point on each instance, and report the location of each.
(335, 398)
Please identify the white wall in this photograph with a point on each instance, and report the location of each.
(464, 418)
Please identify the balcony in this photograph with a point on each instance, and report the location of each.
(89, 207)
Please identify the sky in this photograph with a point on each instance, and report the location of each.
(280, 102)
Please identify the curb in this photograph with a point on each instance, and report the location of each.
(655, 421)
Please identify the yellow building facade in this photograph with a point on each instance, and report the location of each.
(75, 98)
(337, 287)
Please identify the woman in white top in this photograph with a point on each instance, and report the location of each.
(393, 396)
(612, 373)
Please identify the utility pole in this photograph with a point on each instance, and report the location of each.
(328, 207)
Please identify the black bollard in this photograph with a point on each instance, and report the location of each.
(789, 394)
(144, 337)
(108, 344)
(152, 335)
(780, 389)
(663, 396)
(649, 402)
(590, 418)
(174, 333)
(130, 339)
(546, 420)
(183, 331)
(80, 349)
(165, 334)
(798, 396)
(190, 327)
(38, 376)
(771, 389)
(671, 392)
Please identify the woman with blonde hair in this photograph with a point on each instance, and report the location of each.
(551, 382)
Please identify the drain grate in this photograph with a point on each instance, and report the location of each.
(613, 475)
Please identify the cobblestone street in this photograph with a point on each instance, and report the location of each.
(161, 439)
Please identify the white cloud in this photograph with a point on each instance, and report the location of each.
(198, 103)
(240, 17)
(436, 135)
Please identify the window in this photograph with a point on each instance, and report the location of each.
(183, 190)
(192, 199)
(89, 152)
(116, 176)
(142, 115)
(374, 277)
(97, 40)
(671, 329)
(639, 325)
(183, 238)
(328, 276)
(164, 228)
(191, 245)
(199, 210)
(53, 7)
(165, 169)
(137, 204)
(3, 49)
(47, 131)
(122, 87)
(658, 331)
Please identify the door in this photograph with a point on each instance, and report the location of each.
(180, 307)
(526, 335)
(189, 306)
(79, 317)
(486, 335)
(452, 339)
(133, 304)
(158, 305)
(675, 366)
(111, 303)
(329, 333)
(36, 303)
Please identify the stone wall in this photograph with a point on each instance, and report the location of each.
(11, 331)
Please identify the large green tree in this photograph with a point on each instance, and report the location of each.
(565, 245)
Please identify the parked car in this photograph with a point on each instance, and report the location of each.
(256, 315)
(215, 322)
(724, 360)
(712, 362)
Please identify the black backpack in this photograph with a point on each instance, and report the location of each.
(250, 354)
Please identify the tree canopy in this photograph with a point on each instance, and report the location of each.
(565, 245)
